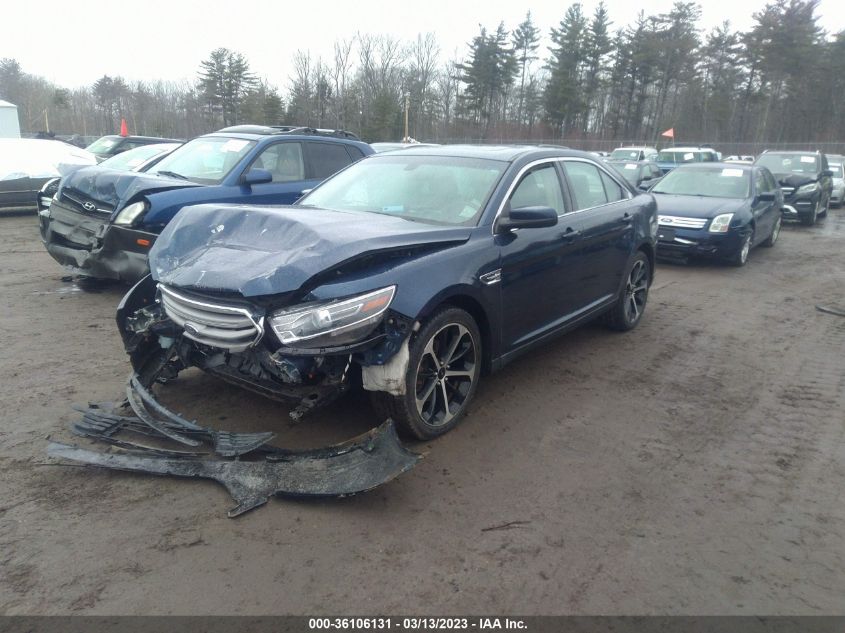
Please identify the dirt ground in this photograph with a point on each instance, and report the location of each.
(693, 466)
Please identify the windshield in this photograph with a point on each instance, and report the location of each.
(430, 189)
(625, 154)
(206, 160)
(716, 182)
(789, 163)
(134, 158)
(682, 156)
(103, 145)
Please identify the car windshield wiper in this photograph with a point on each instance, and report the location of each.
(173, 174)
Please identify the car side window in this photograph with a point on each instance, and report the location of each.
(586, 183)
(283, 161)
(539, 188)
(326, 158)
(771, 185)
(760, 184)
(611, 188)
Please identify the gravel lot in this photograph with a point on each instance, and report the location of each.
(695, 466)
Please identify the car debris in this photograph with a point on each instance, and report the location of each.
(357, 465)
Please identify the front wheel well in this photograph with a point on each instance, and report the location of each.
(474, 309)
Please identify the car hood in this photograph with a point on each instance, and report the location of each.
(794, 180)
(258, 251)
(112, 189)
(696, 206)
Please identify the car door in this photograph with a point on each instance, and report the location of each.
(764, 211)
(286, 163)
(539, 267)
(603, 217)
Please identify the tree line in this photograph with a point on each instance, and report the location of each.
(596, 84)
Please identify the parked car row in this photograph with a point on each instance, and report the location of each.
(279, 258)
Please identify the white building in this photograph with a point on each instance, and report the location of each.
(9, 125)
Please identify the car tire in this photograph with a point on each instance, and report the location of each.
(810, 220)
(740, 258)
(438, 389)
(773, 236)
(627, 312)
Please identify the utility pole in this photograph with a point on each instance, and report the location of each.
(407, 106)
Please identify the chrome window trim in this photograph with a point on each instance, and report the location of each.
(553, 160)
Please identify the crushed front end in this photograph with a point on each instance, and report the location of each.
(291, 348)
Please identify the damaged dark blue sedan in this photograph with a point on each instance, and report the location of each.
(421, 270)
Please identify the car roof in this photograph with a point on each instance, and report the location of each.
(791, 152)
(702, 166)
(622, 161)
(688, 148)
(505, 153)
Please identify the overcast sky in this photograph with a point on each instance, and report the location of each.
(74, 42)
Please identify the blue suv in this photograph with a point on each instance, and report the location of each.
(102, 223)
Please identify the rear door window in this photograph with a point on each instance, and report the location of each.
(325, 159)
(586, 184)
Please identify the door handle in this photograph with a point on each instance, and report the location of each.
(627, 218)
(570, 234)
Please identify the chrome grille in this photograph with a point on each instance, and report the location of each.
(787, 191)
(681, 223)
(226, 326)
(84, 204)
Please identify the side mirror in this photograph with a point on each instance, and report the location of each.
(827, 173)
(766, 196)
(256, 177)
(527, 218)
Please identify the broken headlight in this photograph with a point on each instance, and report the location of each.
(721, 223)
(331, 323)
(130, 213)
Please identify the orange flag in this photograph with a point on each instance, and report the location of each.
(124, 130)
(669, 133)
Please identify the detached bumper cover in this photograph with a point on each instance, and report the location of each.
(254, 472)
(92, 246)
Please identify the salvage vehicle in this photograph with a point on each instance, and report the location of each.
(671, 157)
(420, 269)
(640, 174)
(114, 144)
(138, 159)
(805, 180)
(27, 164)
(634, 153)
(836, 163)
(102, 223)
(717, 210)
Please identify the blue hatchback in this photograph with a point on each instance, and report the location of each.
(102, 223)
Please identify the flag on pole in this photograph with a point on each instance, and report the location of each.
(124, 130)
(670, 133)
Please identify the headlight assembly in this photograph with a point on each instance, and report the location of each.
(130, 213)
(721, 223)
(813, 187)
(331, 323)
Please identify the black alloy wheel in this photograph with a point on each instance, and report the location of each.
(773, 236)
(443, 371)
(629, 307)
(740, 258)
